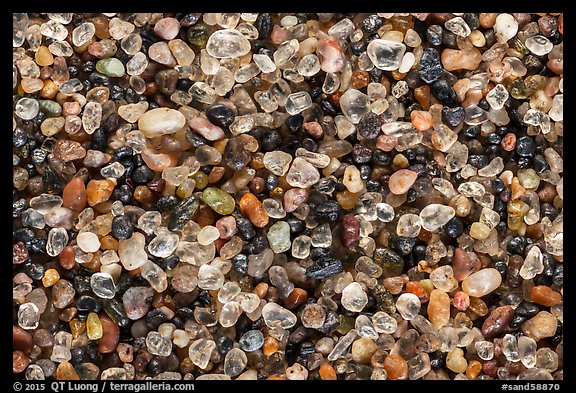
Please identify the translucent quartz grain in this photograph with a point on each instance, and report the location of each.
(482, 282)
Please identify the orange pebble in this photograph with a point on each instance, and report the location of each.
(417, 289)
(421, 120)
(422, 95)
(108, 243)
(99, 191)
(545, 296)
(327, 372)
(270, 346)
(50, 278)
(74, 195)
(252, 208)
(295, 298)
(396, 367)
(473, 369)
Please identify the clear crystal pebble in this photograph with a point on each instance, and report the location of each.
(114, 170)
(154, 275)
(533, 264)
(527, 351)
(136, 301)
(556, 113)
(19, 27)
(385, 212)
(364, 327)
(408, 305)
(497, 96)
(510, 348)
(228, 292)
(458, 26)
(322, 236)
(34, 373)
(493, 168)
(57, 240)
(435, 215)
(408, 225)
(249, 302)
(302, 174)
(275, 315)
(277, 162)
(331, 83)
(227, 44)
(61, 350)
(61, 48)
(264, 62)
(149, 221)
(102, 285)
(71, 86)
(158, 345)
(285, 52)
(443, 278)
(137, 64)
(539, 45)
(53, 29)
(554, 160)
(131, 251)
(384, 323)
(279, 278)
(210, 278)
(505, 27)
(309, 65)
(208, 235)
(114, 374)
(88, 241)
(33, 218)
(229, 314)
(28, 316)
(235, 362)
(92, 117)
(471, 189)
(386, 55)
(301, 247)
(343, 344)
(457, 157)
(298, 102)
(83, 33)
(27, 108)
(274, 208)
(489, 217)
(131, 44)
(354, 104)
(354, 298)
(535, 374)
(484, 349)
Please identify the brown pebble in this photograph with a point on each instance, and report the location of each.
(463, 265)
(74, 195)
(21, 339)
(497, 321)
(19, 253)
(401, 181)
(19, 362)
(110, 335)
(508, 142)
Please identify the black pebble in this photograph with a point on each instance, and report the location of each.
(122, 227)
